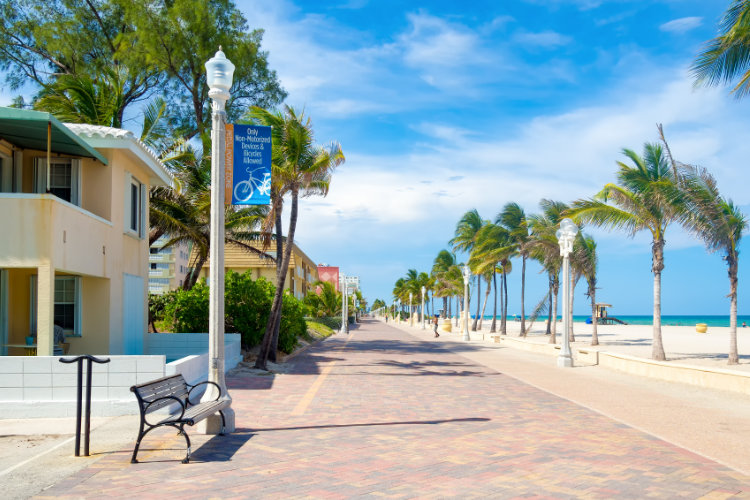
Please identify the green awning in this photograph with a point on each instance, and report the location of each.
(28, 130)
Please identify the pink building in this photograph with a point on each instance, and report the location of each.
(329, 274)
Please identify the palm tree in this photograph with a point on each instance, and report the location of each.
(720, 224)
(586, 260)
(514, 220)
(727, 56)
(647, 198)
(491, 251)
(441, 266)
(299, 168)
(464, 240)
(546, 249)
(324, 300)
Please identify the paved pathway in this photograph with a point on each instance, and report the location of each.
(381, 413)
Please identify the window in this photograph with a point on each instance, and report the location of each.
(67, 299)
(153, 251)
(6, 174)
(135, 206)
(153, 265)
(62, 178)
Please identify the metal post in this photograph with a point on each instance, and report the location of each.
(343, 304)
(219, 96)
(565, 359)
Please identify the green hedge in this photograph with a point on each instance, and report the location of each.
(247, 304)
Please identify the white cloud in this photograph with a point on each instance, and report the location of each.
(546, 39)
(682, 24)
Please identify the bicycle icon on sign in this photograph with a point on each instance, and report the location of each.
(244, 190)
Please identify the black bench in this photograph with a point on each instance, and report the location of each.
(173, 390)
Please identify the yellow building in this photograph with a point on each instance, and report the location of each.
(73, 235)
(302, 270)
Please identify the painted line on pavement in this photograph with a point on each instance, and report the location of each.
(313, 390)
(310, 394)
(21, 464)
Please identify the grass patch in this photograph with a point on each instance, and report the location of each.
(317, 331)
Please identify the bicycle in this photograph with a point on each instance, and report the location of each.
(244, 190)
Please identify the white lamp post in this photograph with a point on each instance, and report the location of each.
(467, 275)
(565, 237)
(219, 72)
(423, 290)
(411, 310)
(343, 305)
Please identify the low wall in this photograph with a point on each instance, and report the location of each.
(41, 386)
(712, 378)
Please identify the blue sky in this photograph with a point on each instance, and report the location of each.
(442, 107)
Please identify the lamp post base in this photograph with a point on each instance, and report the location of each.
(564, 361)
(212, 424)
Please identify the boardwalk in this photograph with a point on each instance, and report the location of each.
(382, 413)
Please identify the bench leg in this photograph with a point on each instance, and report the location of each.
(223, 423)
(141, 435)
(187, 439)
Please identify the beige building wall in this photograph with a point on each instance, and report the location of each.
(48, 237)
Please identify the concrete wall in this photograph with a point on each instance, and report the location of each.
(41, 386)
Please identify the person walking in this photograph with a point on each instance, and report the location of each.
(435, 325)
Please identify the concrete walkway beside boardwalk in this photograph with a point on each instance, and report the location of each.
(388, 413)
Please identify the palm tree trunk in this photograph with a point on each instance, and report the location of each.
(486, 297)
(279, 258)
(549, 311)
(476, 317)
(523, 290)
(571, 293)
(504, 320)
(594, 333)
(657, 251)
(494, 308)
(733, 355)
(446, 311)
(192, 278)
(266, 344)
(555, 295)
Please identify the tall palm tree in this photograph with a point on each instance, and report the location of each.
(464, 240)
(727, 57)
(491, 252)
(546, 249)
(441, 266)
(647, 198)
(720, 224)
(301, 169)
(514, 220)
(586, 260)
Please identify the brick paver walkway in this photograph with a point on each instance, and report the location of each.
(381, 413)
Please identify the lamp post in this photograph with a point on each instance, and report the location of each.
(343, 304)
(565, 237)
(423, 290)
(219, 72)
(467, 275)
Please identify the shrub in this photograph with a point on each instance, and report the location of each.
(247, 306)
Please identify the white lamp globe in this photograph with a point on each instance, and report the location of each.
(219, 72)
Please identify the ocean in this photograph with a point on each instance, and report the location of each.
(666, 319)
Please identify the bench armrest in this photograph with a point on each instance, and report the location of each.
(150, 402)
(192, 387)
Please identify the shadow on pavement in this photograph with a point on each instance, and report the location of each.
(370, 424)
(220, 448)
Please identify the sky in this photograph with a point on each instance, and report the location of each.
(442, 107)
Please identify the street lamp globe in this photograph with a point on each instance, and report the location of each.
(219, 72)
(467, 274)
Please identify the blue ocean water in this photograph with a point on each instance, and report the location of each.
(686, 320)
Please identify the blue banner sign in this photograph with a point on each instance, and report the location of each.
(247, 165)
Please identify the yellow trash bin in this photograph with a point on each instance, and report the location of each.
(701, 327)
(445, 325)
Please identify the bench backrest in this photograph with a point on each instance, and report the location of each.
(174, 385)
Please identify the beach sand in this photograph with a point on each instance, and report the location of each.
(682, 344)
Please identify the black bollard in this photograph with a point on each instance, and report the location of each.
(87, 425)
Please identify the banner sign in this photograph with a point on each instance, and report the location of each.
(247, 165)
